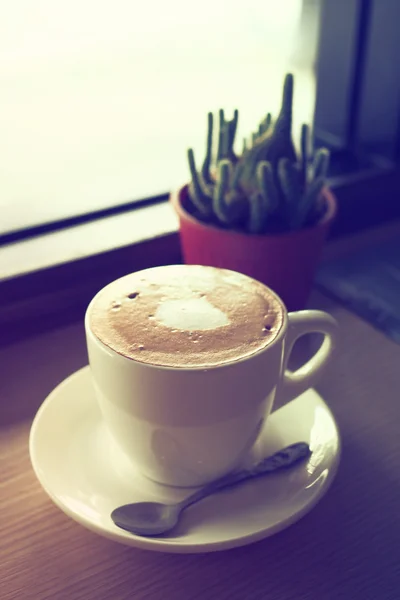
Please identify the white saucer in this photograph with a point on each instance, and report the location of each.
(86, 476)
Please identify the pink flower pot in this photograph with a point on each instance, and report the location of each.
(285, 262)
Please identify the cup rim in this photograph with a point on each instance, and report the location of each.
(188, 369)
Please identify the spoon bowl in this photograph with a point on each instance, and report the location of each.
(147, 518)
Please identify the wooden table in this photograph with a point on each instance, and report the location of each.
(347, 547)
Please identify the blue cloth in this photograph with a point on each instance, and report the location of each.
(368, 282)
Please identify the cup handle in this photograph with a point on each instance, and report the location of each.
(301, 323)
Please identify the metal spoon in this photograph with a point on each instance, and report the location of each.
(155, 518)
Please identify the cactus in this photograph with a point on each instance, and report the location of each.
(228, 204)
(308, 200)
(226, 138)
(205, 169)
(266, 188)
(263, 201)
(289, 182)
(198, 191)
(220, 205)
(321, 163)
(274, 144)
(267, 185)
(304, 143)
(262, 129)
(265, 124)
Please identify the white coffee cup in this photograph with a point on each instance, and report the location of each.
(187, 426)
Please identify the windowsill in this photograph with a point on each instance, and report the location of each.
(85, 240)
(48, 281)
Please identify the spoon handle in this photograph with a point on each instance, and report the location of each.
(280, 460)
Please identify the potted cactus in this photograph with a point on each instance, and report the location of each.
(264, 213)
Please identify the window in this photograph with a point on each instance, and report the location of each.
(100, 99)
(358, 97)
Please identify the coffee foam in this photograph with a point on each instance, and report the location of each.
(186, 316)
